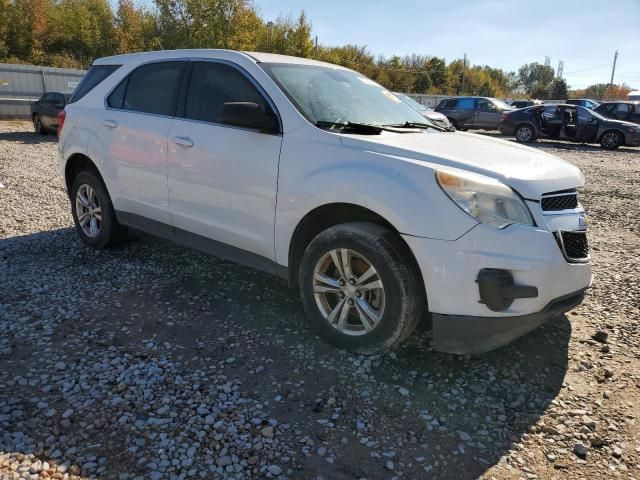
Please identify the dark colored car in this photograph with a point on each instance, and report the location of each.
(620, 110)
(569, 122)
(473, 112)
(583, 102)
(525, 103)
(44, 111)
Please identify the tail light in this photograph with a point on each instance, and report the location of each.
(61, 117)
(505, 116)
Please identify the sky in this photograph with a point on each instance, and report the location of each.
(501, 33)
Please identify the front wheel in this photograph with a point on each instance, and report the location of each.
(93, 213)
(524, 134)
(611, 140)
(37, 125)
(360, 287)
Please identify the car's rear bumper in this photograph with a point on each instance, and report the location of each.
(467, 335)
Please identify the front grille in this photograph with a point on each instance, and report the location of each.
(568, 201)
(574, 245)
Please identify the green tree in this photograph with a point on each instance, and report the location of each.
(535, 79)
(558, 89)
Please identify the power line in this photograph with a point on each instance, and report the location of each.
(590, 68)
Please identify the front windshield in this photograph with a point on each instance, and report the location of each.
(335, 95)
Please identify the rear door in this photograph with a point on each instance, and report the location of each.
(223, 178)
(135, 127)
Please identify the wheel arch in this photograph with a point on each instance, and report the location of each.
(77, 163)
(328, 215)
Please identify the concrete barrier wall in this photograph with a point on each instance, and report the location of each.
(22, 84)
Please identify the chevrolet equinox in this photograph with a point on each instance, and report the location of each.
(316, 173)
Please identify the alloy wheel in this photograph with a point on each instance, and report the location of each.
(610, 140)
(524, 134)
(88, 211)
(348, 291)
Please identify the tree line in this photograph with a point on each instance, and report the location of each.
(72, 33)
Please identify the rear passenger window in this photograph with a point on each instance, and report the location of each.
(116, 98)
(451, 103)
(212, 85)
(151, 88)
(466, 103)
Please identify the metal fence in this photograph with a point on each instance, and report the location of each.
(22, 84)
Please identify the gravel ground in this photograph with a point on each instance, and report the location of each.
(154, 361)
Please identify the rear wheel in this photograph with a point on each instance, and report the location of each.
(37, 125)
(611, 140)
(360, 288)
(93, 212)
(524, 133)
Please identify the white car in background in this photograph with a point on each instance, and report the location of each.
(315, 173)
(429, 113)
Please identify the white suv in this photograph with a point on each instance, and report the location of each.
(317, 174)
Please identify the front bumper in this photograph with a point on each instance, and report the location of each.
(463, 321)
(466, 335)
(632, 139)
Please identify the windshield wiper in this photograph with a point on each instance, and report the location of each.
(354, 127)
(364, 128)
(420, 125)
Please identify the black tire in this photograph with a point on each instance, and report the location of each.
(37, 125)
(525, 133)
(611, 139)
(403, 291)
(455, 124)
(111, 232)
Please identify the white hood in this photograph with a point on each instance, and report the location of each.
(529, 171)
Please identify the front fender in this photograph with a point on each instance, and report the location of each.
(402, 191)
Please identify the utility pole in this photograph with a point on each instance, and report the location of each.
(613, 70)
(464, 67)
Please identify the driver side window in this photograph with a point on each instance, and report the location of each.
(584, 116)
(485, 105)
(213, 84)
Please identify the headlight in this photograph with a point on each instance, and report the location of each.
(485, 199)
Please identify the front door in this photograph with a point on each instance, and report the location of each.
(487, 114)
(223, 179)
(134, 132)
(587, 126)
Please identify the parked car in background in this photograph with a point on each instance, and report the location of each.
(583, 102)
(569, 122)
(44, 111)
(435, 117)
(525, 103)
(473, 112)
(312, 172)
(620, 110)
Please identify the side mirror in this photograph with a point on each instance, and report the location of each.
(249, 115)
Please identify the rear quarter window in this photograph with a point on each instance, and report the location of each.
(93, 78)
